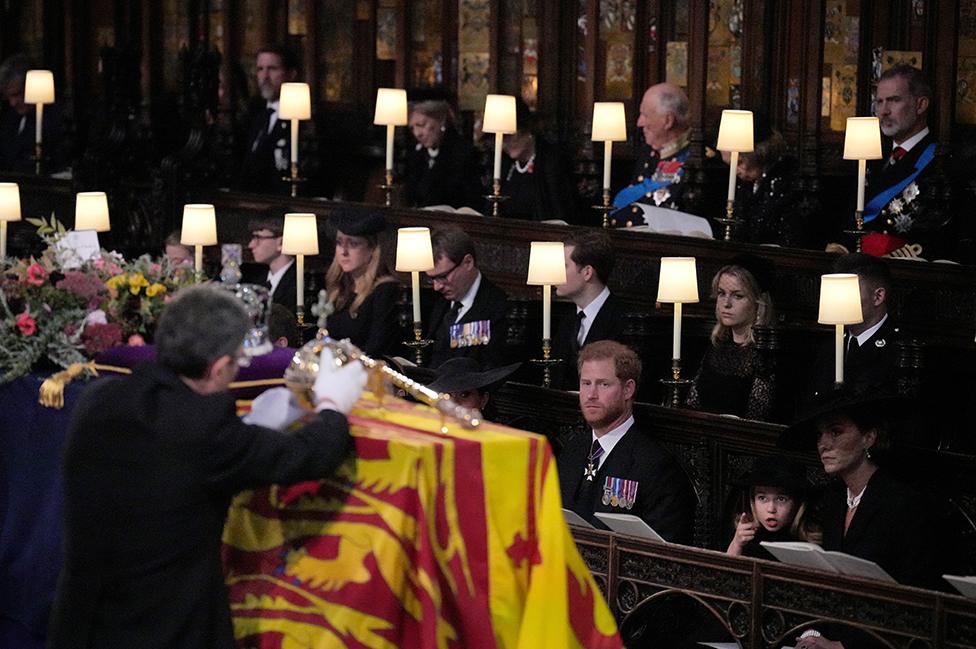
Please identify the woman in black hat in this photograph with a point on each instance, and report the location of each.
(360, 286)
(468, 384)
(777, 490)
(868, 512)
(732, 378)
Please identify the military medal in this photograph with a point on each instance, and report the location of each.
(590, 471)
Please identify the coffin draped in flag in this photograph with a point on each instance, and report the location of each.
(432, 537)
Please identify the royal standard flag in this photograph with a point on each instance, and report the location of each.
(434, 536)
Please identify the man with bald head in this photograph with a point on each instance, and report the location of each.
(660, 165)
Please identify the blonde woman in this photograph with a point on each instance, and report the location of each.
(361, 287)
(731, 378)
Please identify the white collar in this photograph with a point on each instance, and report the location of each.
(865, 335)
(273, 105)
(610, 439)
(591, 310)
(913, 140)
(275, 277)
(467, 301)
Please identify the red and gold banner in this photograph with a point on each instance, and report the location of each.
(432, 537)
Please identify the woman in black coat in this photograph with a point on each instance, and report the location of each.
(361, 287)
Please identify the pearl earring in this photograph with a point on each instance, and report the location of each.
(867, 453)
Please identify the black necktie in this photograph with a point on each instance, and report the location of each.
(263, 134)
(579, 326)
(452, 315)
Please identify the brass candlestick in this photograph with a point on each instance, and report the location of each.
(729, 221)
(674, 385)
(606, 208)
(859, 231)
(546, 363)
(496, 196)
(418, 343)
(294, 179)
(388, 186)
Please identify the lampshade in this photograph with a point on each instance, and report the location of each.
(840, 299)
(499, 114)
(413, 252)
(547, 264)
(609, 122)
(862, 139)
(91, 212)
(39, 87)
(199, 225)
(391, 107)
(301, 235)
(678, 282)
(735, 131)
(295, 101)
(9, 202)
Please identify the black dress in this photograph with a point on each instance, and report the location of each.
(772, 209)
(451, 177)
(375, 328)
(731, 380)
(541, 190)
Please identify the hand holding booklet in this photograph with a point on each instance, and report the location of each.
(810, 555)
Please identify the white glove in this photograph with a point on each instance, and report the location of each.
(275, 408)
(338, 388)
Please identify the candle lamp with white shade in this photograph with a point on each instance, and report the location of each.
(199, 230)
(295, 104)
(91, 212)
(39, 90)
(9, 211)
(609, 126)
(840, 304)
(300, 237)
(547, 268)
(677, 284)
(414, 255)
(499, 119)
(862, 142)
(735, 135)
(391, 111)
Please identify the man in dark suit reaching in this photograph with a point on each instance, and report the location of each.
(151, 464)
(618, 467)
(598, 314)
(472, 319)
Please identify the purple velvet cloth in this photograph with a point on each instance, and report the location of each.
(269, 366)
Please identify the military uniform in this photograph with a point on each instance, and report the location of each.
(659, 180)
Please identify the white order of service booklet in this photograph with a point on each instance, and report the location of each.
(810, 555)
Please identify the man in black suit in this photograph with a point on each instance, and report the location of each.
(907, 205)
(267, 155)
(151, 464)
(618, 467)
(869, 346)
(472, 319)
(282, 277)
(598, 314)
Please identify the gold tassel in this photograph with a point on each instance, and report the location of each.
(51, 394)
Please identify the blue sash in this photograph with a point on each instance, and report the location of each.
(637, 191)
(874, 207)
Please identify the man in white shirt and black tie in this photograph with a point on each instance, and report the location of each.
(598, 315)
(265, 246)
(267, 157)
(616, 466)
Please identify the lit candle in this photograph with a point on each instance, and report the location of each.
(546, 310)
(733, 164)
(199, 230)
(300, 237)
(498, 155)
(862, 141)
(862, 166)
(609, 125)
(9, 211)
(415, 286)
(676, 340)
(839, 353)
(39, 90)
(295, 104)
(294, 140)
(607, 155)
(840, 304)
(390, 130)
(198, 258)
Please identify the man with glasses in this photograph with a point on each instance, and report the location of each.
(471, 319)
(265, 246)
(151, 464)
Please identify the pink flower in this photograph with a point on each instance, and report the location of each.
(136, 340)
(36, 274)
(99, 264)
(26, 324)
(155, 269)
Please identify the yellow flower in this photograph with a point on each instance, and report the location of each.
(114, 283)
(136, 282)
(155, 289)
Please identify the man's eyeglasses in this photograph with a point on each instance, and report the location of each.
(442, 277)
(261, 237)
